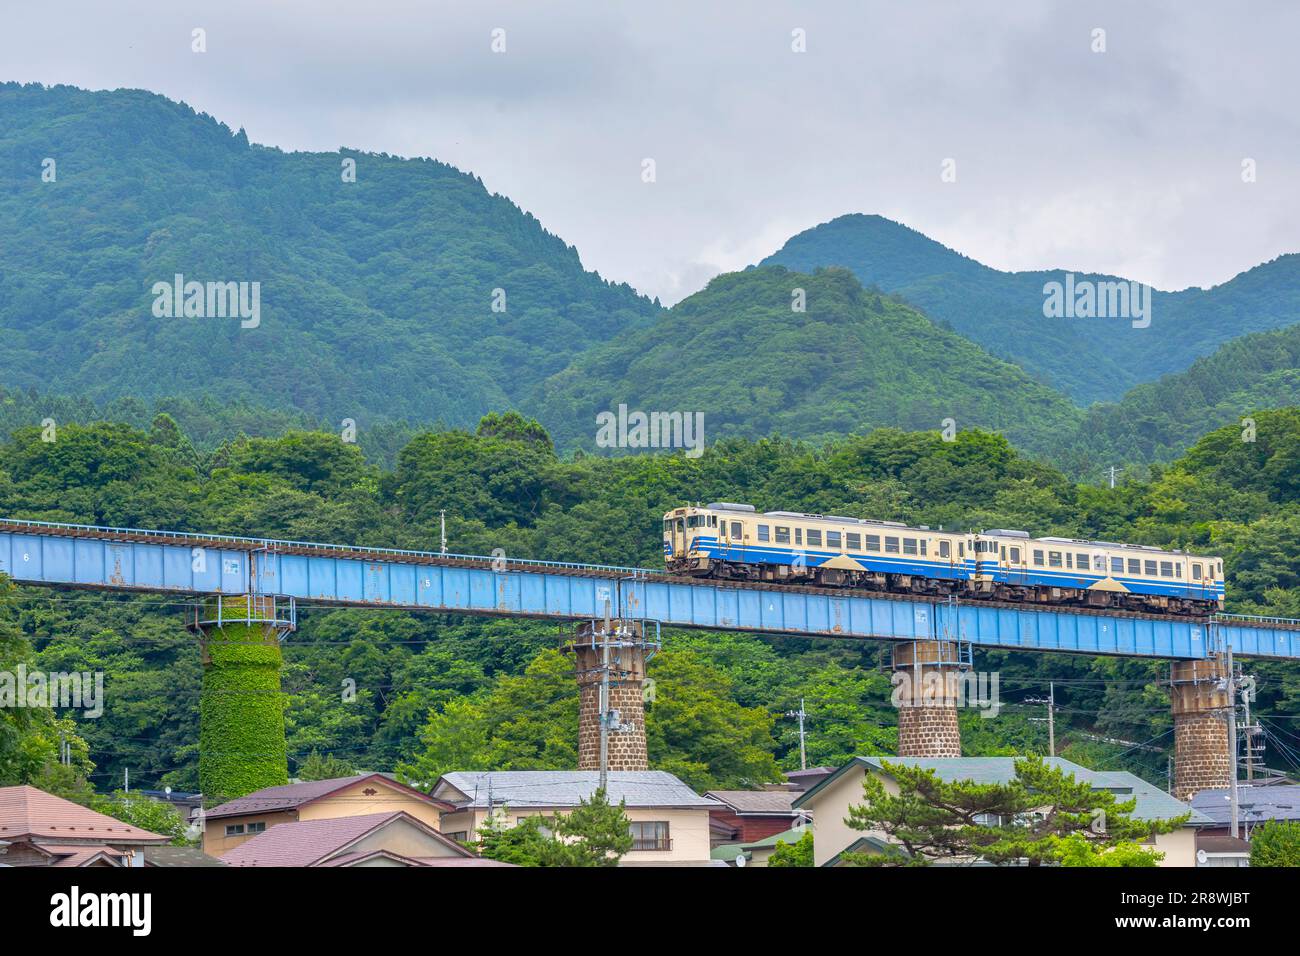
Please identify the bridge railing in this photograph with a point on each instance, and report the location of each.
(272, 544)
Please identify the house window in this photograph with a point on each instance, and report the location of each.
(832, 539)
(234, 829)
(651, 836)
(782, 535)
(814, 538)
(855, 541)
(258, 827)
(460, 836)
(762, 533)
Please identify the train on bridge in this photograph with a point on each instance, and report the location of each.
(731, 541)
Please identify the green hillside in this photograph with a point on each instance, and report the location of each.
(1159, 420)
(1091, 359)
(855, 359)
(376, 296)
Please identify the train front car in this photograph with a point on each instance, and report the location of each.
(692, 538)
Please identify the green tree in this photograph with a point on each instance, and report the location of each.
(798, 853)
(594, 833)
(1023, 820)
(1275, 843)
(145, 813)
(324, 767)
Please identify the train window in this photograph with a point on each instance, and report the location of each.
(1081, 562)
(873, 542)
(814, 538)
(668, 527)
(1149, 568)
(1068, 558)
(909, 546)
(961, 549)
(855, 541)
(1054, 558)
(1166, 569)
(713, 521)
(945, 549)
(1116, 565)
(923, 547)
(832, 539)
(782, 535)
(735, 530)
(1134, 566)
(1015, 555)
(1178, 570)
(762, 533)
(798, 535)
(1196, 571)
(891, 545)
(1038, 558)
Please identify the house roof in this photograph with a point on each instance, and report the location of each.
(82, 854)
(1214, 843)
(28, 812)
(186, 856)
(294, 795)
(565, 788)
(729, 851)
(1152, 802)
(863, 844)
(1255, 803)
(308, 842)
(756, 801)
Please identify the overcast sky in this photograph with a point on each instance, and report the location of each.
(1127, 161)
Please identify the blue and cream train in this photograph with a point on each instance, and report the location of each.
(733, 541)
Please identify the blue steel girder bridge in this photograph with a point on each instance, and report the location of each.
(205, 565)
(255, 583)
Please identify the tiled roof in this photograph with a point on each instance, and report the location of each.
(564, 788)
(82, 854)
(1255, 803)
(28, 812)
(1152, 802)
(178, 856)
(306, 842)
(756, 801)
(293, 795)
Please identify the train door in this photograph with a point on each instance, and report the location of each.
(679, 537)
(1015, 560)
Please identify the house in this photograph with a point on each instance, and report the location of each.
(802, 780)
(670, 821)
(229, 824)
(829, 801)
(392, 838)
(743, 816)
(1214, 849)
(756, 852)
(1256, 803)
(40, 829)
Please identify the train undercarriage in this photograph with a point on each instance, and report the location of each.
(878, 583)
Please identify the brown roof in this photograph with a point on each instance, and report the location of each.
(312, 842)
(294, 795)
(82, 855)
(757, 801)
(1212, 843)
(28, 812)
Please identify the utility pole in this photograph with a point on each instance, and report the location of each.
(1112, 476)
(1050, 701)
(442, 520)
(803, 750)
(604, 702)
(1232, 743)
(126, 779)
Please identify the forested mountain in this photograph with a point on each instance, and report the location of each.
(436, 693)
(1157, 421)
(744, 356)
(1090, 359)
(376, 297)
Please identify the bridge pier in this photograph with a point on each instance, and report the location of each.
(627, 649)
(1202, 754)
(926, 681)
(241, 706)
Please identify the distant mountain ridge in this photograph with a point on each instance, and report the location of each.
(1089, 359)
